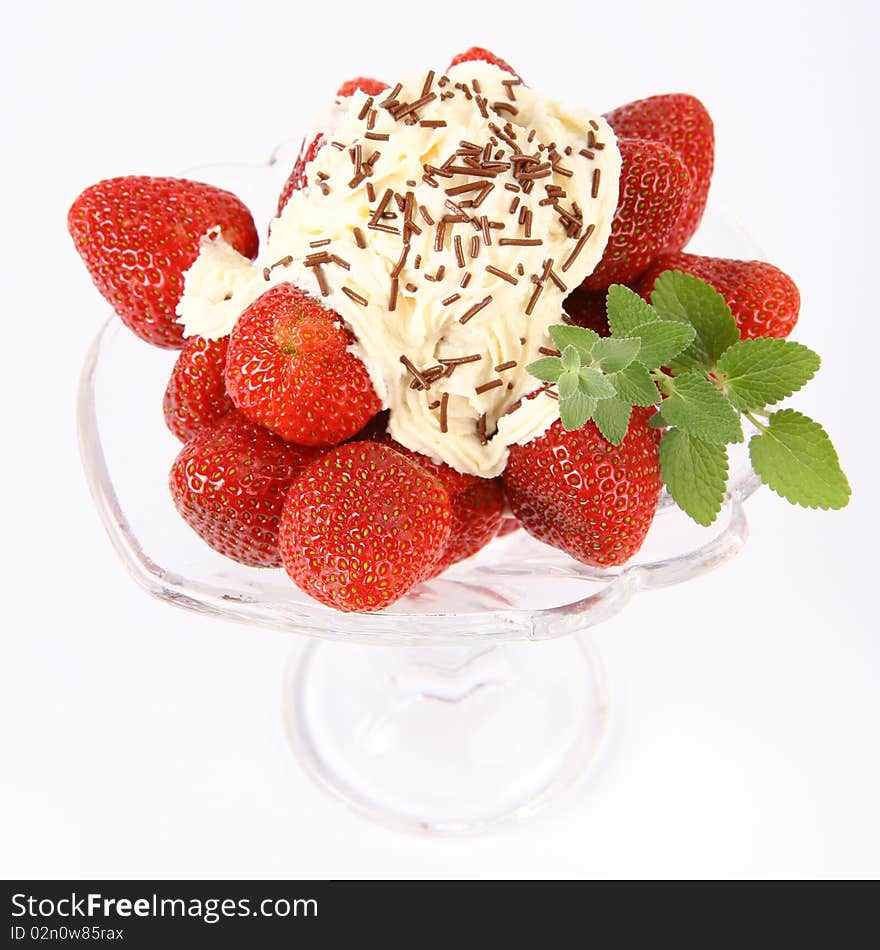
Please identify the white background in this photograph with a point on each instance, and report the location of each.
(140, 740)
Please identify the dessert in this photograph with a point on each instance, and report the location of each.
(473, 311)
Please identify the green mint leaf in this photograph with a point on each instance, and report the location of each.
(663, 340)
(571, 358)
(679, 296)
(761, 372)
(580, 337)
(548, 369)
(627, 311)
(635, 386)
(657, 421)
(696, 406)
(576, 411)
(593, 383)
(695, 474)
(795, 457)
(612, 355)
(568, 384)
(689, 362)
(612, 419)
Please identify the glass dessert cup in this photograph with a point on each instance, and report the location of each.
(475, 699)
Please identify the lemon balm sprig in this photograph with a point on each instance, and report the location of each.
(682, 352)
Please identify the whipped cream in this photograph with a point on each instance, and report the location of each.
(445, 221)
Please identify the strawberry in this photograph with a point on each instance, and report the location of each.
(764, 300)
(289, 369)
(229, 482)
(362, 525)
(137, 236)
(375, 429)
(478, 54)
(508, 526)
(682, 123)
(580, 493)
(477, 506)
(296, 181)
(196, 393)
(297, 178)
(372, 87)
(654, 190)
(586, 308)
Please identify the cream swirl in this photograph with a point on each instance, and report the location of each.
(444, 221)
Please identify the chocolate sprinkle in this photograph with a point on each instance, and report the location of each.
(459, 252)
(475, 309)
(417, 376)
(398, 267)
(322, 280)
(356, 297)
(481, 429)
(534, 299)
(502, 274)
(459, 360)
(578, 247)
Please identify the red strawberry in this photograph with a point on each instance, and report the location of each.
(682, 123)
(478, 54)
(372, 87)
(297, 179)
(310, 147)
(196, 393)
(137, 236)
(654, 190)
(229, 484)
(362, 525)
(508, 526)
(764, 300)
(375, 429)
(592, 499)
(288, 368)
(586, 308)
(477, 506)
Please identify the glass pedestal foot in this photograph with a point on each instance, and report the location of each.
(446, 739)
